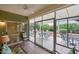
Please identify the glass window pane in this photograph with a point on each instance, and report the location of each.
(61, 14)
(73, 10)
(48, 16)
(39, 39)
(73, 27)
(38, 19)
(62, 32)
(31, 30)
(47, 29)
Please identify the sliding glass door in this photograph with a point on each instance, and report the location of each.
(44, 34)
(74, 32)
(62, 32)
(39, 37)
(47, 29)
(62, 36)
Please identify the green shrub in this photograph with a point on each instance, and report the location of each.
(45, 26)
(51, 28)
(71, 27)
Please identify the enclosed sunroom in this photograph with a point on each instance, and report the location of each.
(40, 28)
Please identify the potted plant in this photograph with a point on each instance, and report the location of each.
(72, 51)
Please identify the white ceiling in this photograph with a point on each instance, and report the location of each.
(18, 8)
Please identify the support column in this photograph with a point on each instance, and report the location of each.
(54, 42)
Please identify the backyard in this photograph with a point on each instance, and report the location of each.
(44, 34)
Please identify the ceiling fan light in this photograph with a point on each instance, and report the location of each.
(25, 7)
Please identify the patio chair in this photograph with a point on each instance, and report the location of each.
(76, 39)
(64, 37)
(45, 35)
(40, 35)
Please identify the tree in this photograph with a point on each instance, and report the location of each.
(37, 26)
(45, 26)
(71, 27)
(51, 28)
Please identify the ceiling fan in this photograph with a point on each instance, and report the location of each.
(25, 7)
